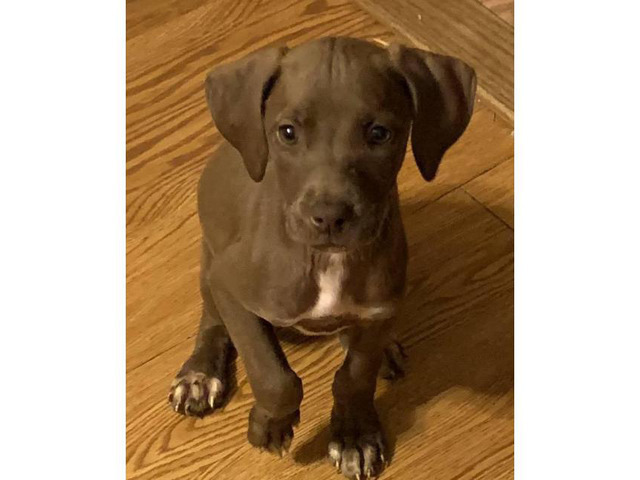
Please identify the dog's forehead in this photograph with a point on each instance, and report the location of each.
(336, 53)
(334, 66)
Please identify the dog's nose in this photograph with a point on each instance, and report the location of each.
(330, 217)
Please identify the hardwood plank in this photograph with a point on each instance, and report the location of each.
(502, 8)
(451, 417)
(462, 28)
(494, 189)
(144, 14)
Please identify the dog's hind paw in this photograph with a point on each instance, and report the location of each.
(195, 394)
(393, 361)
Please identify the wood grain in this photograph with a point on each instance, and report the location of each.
(144, 14)
(452, 417)
(502, 8)
(494, 189)
(461, 28)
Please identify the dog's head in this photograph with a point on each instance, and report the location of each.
(332, 119)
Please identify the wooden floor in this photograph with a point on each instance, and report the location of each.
(502, 8)
(452, 416)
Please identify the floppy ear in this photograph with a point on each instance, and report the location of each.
(236, 93)
(443, 90)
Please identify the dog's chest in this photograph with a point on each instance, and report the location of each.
(334, 308)
(330, 288)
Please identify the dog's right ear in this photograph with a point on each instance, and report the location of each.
(235, 94)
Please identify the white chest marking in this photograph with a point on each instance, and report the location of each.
(332, 302)
(329, 287)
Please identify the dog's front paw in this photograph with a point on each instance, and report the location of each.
(269, 433)
(194, 393)
(357, 448)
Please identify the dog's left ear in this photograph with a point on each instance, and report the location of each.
(443, 91)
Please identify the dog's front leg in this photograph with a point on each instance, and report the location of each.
(357, 446)
(276, 387)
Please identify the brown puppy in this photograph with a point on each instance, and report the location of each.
(301, 223)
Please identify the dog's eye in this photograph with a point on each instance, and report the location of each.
(377, 134)
(287, 134)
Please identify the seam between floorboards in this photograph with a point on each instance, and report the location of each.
(461, 186)
(487, 208)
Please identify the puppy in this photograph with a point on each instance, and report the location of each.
(301, 224)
